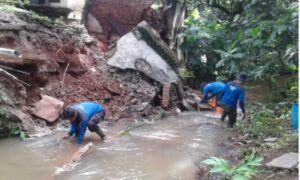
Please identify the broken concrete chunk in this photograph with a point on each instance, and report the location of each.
(132, 53)
(286, 161)
(271, 139)
(48, 108)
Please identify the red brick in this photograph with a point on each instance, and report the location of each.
(166, 96)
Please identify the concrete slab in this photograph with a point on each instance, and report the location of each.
(134, 53)
(48, 108)
(286, 161)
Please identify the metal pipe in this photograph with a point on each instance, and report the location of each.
(10, 52)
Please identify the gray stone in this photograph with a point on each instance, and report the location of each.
(271, 139)
(286, 161)
(271, 145)
(93, 24)
(133, 53)
(141, 106)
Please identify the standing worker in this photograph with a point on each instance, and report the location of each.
(214, 89)
(82, 116)
(233, 92)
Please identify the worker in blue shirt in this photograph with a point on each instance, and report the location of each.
(233, 92)
(82, 116)
(214, 89)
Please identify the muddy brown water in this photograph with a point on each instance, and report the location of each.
(165, 149)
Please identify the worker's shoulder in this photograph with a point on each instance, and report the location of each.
(237, 85)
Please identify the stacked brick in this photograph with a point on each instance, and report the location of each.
(126, 13)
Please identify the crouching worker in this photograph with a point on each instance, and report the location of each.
(82, 116)
(214, 89)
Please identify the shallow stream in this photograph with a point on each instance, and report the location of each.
(165, 149)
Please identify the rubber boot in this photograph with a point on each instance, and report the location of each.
(100, 133)
(223, 116)
(230, 125)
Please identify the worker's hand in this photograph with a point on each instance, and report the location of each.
(244, 116)
(66, 137)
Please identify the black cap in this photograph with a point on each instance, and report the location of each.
(242, 76)
(69, 112)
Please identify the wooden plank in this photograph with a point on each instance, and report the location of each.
(84, 151)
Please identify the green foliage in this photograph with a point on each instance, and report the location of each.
(23, 135)
(18, 3)
(125, 133)
(59, 21)
(259, 37)
(265, 123)
(42, 18)
(244, 171)
(162, 113)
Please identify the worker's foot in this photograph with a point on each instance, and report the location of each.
(229, 125)
(100, 133)
(103, 137)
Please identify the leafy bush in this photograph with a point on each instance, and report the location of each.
(244, 171)
(259, 37)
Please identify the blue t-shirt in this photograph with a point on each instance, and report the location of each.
(85, 111)
(232, 93)
(214, 88)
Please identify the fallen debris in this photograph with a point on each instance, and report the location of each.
(84, 151)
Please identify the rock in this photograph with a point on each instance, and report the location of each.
(87, 39)
(271, 145)
(271, 139)
(204, 106)
(286, 161)
(93, 24)
(114, 87)
(186, 106)
(178, 111)
(147, 110)
(48, 108)
(141, 106)
(134, 53)
(133, 101)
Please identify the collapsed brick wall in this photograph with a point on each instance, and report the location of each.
(126, 13)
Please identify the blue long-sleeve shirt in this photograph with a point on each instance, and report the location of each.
(214, 88)
(85, 111)
(232, 93)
